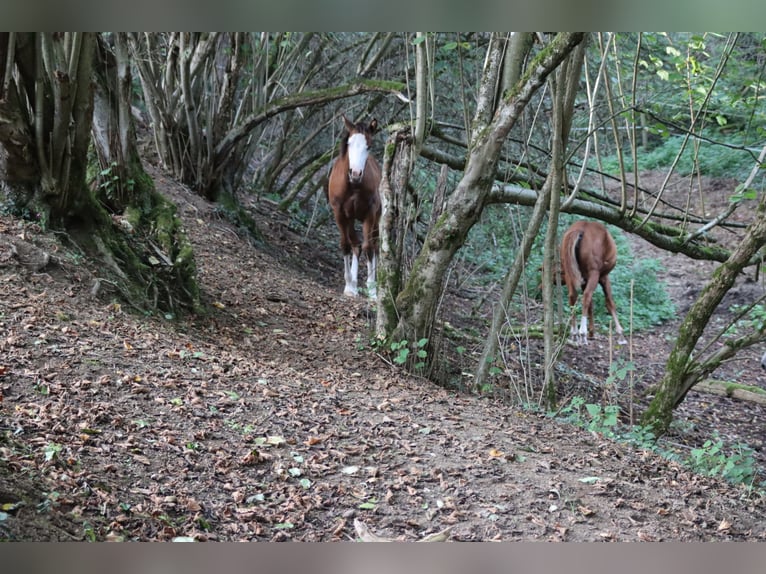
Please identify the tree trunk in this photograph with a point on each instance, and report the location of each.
(418, 300)
(681, 371)
(46, 120)
(514, 57)
(146, 228)
(45, 162)
(394, 223)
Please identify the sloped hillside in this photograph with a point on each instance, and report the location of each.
(272, 419)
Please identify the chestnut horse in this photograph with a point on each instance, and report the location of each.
(352, 191)
(588, 254)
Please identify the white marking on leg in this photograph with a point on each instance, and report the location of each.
(351, 271)
(584, 330)
(621, 340)
(372, 269)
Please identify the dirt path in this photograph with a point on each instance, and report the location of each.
(271, 419)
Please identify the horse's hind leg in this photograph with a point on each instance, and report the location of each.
(606, 285)
(586, 322)
(573, 333)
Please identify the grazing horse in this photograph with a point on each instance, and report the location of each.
(352, 191)
(588, 254)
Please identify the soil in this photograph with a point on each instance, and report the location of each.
(274, 419)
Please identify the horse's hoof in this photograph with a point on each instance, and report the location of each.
(350, 293)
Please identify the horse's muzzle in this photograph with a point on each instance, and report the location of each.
(355, 176)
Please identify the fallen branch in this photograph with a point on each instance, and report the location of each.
(732, 390)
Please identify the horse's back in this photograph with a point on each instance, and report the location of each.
(597, 250)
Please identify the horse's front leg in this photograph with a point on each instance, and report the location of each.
(351, 271)
(350, 247)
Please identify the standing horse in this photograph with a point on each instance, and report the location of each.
(588, 254)
(352, 191)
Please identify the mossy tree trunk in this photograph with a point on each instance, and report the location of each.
(417, 303)
(46, 116)
(682, 371)
(154, 252)
(396, 219)
(45, 120)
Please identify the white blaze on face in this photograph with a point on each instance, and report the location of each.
(357, 156)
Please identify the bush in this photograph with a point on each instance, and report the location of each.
(713, 160)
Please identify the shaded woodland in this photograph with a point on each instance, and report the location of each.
(122, 152)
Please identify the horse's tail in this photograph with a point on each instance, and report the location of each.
(570, 264)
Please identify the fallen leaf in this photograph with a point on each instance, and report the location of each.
(142, 459)
(585, 511)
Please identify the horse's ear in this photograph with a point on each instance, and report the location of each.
(347, 124)
(373, 126)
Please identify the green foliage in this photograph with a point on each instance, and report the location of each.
(710, 158)
(109, 181)
(683, 88)
(738, 467)
(403, 353)
(599, 419)
(752, 319)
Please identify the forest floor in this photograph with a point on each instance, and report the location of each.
(274, 419)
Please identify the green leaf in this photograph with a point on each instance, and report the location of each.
(51, 451)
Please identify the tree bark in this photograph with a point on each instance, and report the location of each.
(681, 371)
(394, 224)
(45, 163)
(562, 110)
(145, 224)
(419, 298)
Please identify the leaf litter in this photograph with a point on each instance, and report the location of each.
(269, 421)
